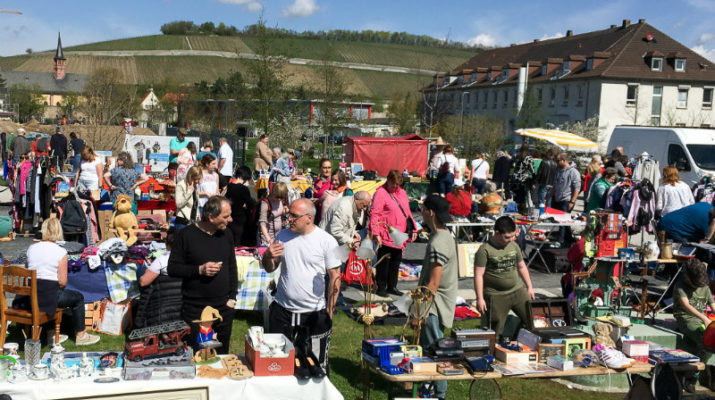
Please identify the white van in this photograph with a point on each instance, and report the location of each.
(691, 150)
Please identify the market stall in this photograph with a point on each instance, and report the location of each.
(383, 154)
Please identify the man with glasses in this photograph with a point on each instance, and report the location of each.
(498, 265)
(306, 255)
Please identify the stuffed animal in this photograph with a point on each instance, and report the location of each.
(124, 220)
(602, 334)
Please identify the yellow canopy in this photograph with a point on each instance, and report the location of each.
(564, 140)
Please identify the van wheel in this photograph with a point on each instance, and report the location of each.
(137, 358)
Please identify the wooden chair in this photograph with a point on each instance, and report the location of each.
(21, 281)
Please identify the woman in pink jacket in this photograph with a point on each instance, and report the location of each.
(390, 207)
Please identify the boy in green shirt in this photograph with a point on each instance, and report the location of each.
(498, 265)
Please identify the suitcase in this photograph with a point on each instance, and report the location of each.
(552, 320)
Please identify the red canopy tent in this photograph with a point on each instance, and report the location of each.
(382, 154)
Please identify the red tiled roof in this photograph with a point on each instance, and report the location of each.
(622, 49)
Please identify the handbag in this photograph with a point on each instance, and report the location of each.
(410, 224)
(114, 318)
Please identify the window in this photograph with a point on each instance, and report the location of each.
(632, 94)
(579, 100)
(656, 64)
(565, 99)
(677, 157)
(505, 99)
(475, 99)
(485, 97)
(552, 97)
(708, 97)
(567, 66)
(703, 154)
(679, 65)
(589, 64)
(656, 105)
(682, 98)
(544, 69)
(539, 96)
(466, 98)
(489, 76)
(514, 98)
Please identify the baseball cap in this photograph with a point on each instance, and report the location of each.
(440, 206)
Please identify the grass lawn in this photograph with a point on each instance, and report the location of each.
(345, 361)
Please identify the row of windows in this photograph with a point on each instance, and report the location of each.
(682, 99)
(656, 64)
(508, 97)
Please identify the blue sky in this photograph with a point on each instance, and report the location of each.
(488, 23)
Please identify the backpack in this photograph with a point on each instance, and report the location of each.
(74, 219)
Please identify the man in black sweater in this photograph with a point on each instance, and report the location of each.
(58, 144)
(204, 258)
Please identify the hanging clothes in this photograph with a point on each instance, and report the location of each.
(647, 168)
(642, 208)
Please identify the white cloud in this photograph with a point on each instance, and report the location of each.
(707, 53)
(554, 36)
(679, 24)
(251, 5)
(483, 40)
(300, 8)
(705, 38)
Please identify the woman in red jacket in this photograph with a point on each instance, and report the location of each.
(390, 207)
(460, 200)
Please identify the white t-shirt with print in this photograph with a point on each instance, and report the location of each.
(306, 259)
(45, 257)
(225, 152)
(482, 166)
(159, 265)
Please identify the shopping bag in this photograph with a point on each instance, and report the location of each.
(114, 318)
(356, 271)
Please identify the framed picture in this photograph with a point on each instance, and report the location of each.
(356, 167)
(465, 258)
(196, 393)
(572, 345)
(550, 349)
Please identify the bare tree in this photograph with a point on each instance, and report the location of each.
(330, 115)
(287, 130)
(403, 111)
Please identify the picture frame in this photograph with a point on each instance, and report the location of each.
(194, 393)
(465, 258)
(572, 345)
(546, 350)
(356, 167)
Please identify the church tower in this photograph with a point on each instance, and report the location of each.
(60, 60)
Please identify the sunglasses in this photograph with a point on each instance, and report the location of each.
(294, 216)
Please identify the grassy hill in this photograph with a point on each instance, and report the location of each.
(147, 70)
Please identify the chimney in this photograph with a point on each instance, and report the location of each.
(536, 40)
(569, 33)
(626, 23)
(641, 21)
(60, 60)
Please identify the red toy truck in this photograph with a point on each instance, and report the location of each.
(157, 340)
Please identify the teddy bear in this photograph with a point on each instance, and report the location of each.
(602, 334)
(124, 220)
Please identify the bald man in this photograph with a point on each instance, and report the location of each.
(343, 217)
(300, 311)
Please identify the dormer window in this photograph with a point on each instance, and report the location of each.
(656, 64)
(505, 74)
(567, 66)
(544, 69)
(589, 64)
(680, 65)
(489, 76)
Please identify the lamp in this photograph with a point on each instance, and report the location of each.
(366, 251)
(342, 252)
(398, 237)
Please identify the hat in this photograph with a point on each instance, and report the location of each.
(209, 314)
(439, 142)
(440, 206)
(182, 131)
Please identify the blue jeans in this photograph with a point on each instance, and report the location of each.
(432, 331)
(479, 185)
(72, 299)
(563, 206)
(543, 190)
(445, 183)
(75, 162)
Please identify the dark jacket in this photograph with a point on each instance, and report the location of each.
(501, 170)
(159, 302)
(546, 175)
(58, 144)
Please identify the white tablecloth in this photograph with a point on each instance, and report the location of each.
(275, 388)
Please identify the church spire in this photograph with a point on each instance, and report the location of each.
(59, 54)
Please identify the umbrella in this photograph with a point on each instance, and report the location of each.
(564, 140)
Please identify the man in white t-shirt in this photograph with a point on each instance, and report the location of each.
(306, 254)
(225, 163)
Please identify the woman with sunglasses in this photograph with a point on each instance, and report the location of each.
(50, 262)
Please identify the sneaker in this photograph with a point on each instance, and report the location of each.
(87, 339)
(612, 358)
(51, 338)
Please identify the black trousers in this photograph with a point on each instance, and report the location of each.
(308, 331)
(191, 312)
(388, 269)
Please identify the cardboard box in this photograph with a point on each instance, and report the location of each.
(423, 365)
(559, 362)
(166, 367)
(525, 356)
(270, 366)
(103, 218)
(635, 348)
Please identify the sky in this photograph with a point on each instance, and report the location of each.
(479, 22)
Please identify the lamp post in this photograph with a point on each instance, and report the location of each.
(461, 117)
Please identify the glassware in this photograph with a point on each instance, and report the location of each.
(32, 352)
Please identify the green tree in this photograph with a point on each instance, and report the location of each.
(331, 89)
(267, 75)
(69, 104)
(402, 111)
(207, 27)
(473, 133)
(28, 100)
(532, 113)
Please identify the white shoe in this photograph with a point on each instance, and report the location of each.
(51, 339)
(86, 339)
(612, 358)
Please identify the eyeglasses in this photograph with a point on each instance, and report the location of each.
(294, 216)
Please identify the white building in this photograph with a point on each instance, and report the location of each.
(630, 74)
(147, 103)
